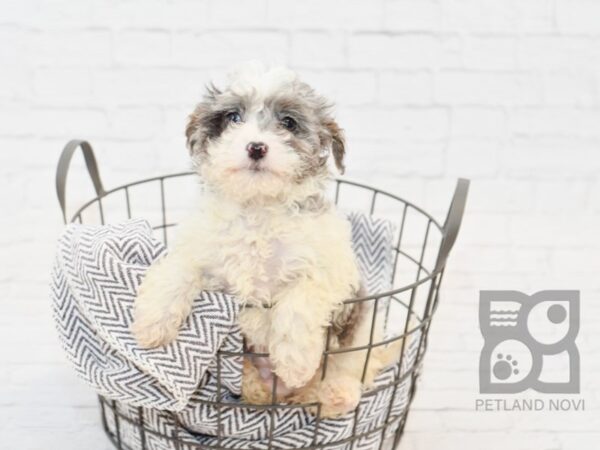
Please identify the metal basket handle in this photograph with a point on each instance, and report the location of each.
(63, 169)
(453, 221)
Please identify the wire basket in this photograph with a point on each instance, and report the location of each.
(420, 251)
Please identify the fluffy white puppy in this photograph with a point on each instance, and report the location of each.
(266, 233)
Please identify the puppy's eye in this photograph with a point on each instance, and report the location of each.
(288, 123)
(234, 117)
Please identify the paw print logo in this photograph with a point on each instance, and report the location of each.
(509, 363)
(523, 336)
(505, 367)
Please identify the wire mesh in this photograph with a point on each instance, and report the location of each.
(408, 308)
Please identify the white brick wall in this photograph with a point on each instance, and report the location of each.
(506, 92)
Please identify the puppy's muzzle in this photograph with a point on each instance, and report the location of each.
(256, 150)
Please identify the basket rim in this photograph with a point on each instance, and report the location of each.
(338, 180)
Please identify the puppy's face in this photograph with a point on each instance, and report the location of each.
(267, 135)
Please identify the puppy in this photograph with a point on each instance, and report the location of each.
(266, 234)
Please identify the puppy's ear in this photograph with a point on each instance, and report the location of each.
(204, 122)
(337, 142)
(194, 129)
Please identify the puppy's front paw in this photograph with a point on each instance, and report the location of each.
(154, 333)
(155, 323)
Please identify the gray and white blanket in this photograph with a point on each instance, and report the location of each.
(95, 279)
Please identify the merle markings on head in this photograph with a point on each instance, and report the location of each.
(266, 134)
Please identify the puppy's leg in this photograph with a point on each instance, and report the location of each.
(297, 335)
(346, 376)
(254, 390)
(255, 324)
(165, 299)
(338, 393)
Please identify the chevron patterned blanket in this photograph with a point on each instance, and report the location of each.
(95, 279)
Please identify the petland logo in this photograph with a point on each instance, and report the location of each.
(529, 343)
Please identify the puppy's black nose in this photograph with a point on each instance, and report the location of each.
(257, 150)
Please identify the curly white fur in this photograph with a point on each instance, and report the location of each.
(265, 233)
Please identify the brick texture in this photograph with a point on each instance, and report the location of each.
(505, 92)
